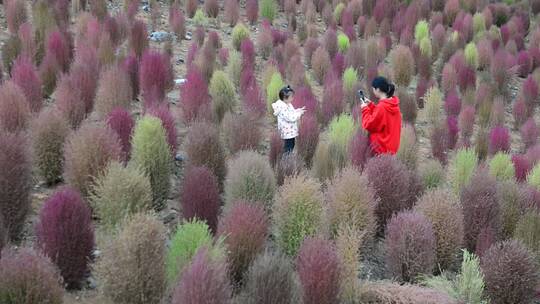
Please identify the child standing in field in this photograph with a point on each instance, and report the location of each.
(287, 118)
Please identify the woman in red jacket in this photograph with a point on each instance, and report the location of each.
(383, 119)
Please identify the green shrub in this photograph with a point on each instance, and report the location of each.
(250, 178)
(461, 169)
(403, 65)
(528, 232)
(272, 90)
(534, 177)
(268, 9)
(297, 212)
(338, 11)
(426, 48)
(223, 95)
(352, 202)
(199, 19)
(234, 67)
(421, 31)
(132, 266)
(49, 131)
(501, 167)
(350, 80)
(467, 286)
(340, 132)
(471, 55)
(343, 43)
(442, 208)
(512, 196)
(186, 241)
(239, 33)
(433, 101)
(479, 24)
(151, 153)
(432, 173)
(119, 193)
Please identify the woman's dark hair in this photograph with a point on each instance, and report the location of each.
(285, 91)
(384, 85)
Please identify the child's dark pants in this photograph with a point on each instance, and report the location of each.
(289, 145)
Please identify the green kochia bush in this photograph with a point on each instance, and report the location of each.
(340, 132)
(239, 33)
(28, 277)
(87, 153)
(421, 31)
(501, 167)
(432, 173)
(132, 266)
(343, 43)
(528, 232)
(151, 153)
(250, 178)
(297, 212)
(186, 241)
(272, 91)
(467, 287)
(461, 169)
(223, 95)
(268, 9)
(119, 193)
(534, 177)
(49, 131)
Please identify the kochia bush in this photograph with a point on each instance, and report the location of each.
(114, 90)
(16, 176)
(87, 153)
(223, 95)
(200, 196)
(24, 74)
(121, 122)
(151, 153)
(204, 148)
(14, 108)
(154, 76)
(66, 235)
(403, 65)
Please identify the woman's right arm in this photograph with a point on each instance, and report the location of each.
(372, 118)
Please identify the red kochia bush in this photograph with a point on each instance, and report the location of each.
(121, 122)
(318, 267)
(510, 273)
(200, 196)
(480, 207)
(211, 8)
(131, 67)
(308, 137)
(529, 92)
(452, 104)
(522, 166)
(84, 77)
(24, 74)
(499, 140)
(58, 47)
(253, 101)
(245, 228)
(524, 62)
(14, 109)
(392, 184)
(203, 281)
(177, 21)
(360, 149)
(194, 96)
(27, 276)
(153, 77)
(66, 235)
(304, 97)
(529, 133)
(410, 246)
(252, 11)
(69, 101)
(167, 120)
(16, 181)
(203, 148)
(138, 38)
(332, 104)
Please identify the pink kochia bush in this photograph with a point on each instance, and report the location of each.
(410, 246)
(318, 269)
(24, 74)
(200, 196)
(59, 49)
(153, 77)
(14, 109)
(138, 39)
(66, 235)
(168, 122)
(304, 98)
(121, 122)
(252, 11)
(131, 66)
(360, 149)
(332, 104)
(245, 228)
(529, 133)
(480, 207)
(194, 96)
(16, 181)
(510, 273)
(499, 140)
(203, 281)
(308, 137)
(522, 166)
(84, 77)
(69, 101)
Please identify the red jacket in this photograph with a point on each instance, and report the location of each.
(383, 122)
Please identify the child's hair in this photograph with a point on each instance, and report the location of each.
(384, 85)
(285, 91)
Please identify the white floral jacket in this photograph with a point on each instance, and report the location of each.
(287, 118)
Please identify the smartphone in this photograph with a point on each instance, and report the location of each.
(361, 95)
